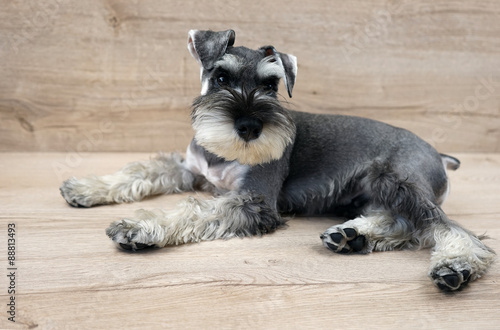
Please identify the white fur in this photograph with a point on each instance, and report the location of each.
(381, 230)
(456, 250)
(204, 86)
(223, 141)
(227, 176)
(215, 131)
(164, 174)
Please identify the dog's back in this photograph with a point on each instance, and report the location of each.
(332, 153)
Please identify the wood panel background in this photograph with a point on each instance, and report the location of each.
(116, 75)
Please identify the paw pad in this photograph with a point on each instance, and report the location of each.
(134, 246)
(448, 279)
(343, 240)
(336, 238)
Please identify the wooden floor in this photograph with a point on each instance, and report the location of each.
(70, 276)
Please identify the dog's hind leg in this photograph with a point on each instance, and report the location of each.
(161, 175)
(410, 219)
(226, 216)
(458, 256)
(376, 231)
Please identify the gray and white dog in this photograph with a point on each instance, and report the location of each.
(261, 160)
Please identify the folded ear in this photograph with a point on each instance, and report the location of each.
(208, 46)
(290, 66)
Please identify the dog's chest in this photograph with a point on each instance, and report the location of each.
(223, 175)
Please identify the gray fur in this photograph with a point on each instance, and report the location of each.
(210, 45)
(386, 181)
(228, 216)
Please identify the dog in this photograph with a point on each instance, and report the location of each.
(261, 161)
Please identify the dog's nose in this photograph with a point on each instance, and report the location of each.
(248, 128)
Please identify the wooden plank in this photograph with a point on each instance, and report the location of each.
(121, 69)
(71, 276)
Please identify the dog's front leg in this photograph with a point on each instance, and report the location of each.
(162, 175)
(230, 215)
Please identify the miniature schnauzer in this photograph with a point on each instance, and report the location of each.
(261, 160)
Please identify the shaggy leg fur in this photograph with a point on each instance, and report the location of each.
(194, 220)
(376, 232)
(412, 220)
(458, 256)
(164, 174)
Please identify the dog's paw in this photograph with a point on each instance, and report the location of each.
(452, 276)
(135, 235)
(73, 192)
(342, 239)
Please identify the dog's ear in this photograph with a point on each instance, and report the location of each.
(208, 46)
(290, 65)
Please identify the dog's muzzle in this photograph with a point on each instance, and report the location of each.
(249, 127)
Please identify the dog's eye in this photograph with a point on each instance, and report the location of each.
(222, 80)
(270, 85)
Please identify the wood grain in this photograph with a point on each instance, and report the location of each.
(116, 76)
(70, 276)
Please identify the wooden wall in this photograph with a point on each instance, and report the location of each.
(116, 75)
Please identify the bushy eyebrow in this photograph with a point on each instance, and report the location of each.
(270, 68)
(229, 63)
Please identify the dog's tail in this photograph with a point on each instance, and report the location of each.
(449, 162)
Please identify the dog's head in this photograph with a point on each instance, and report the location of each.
(238, 115)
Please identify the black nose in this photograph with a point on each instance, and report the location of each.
(248, 128)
